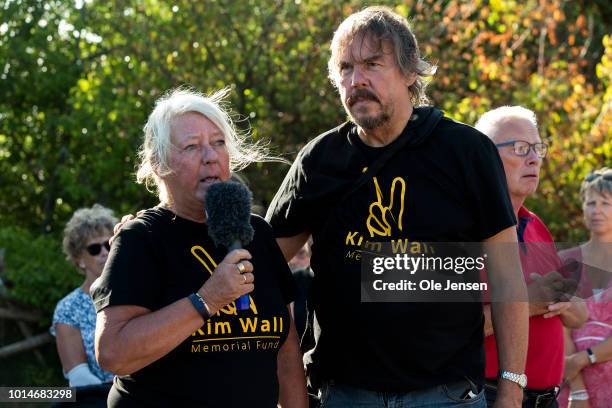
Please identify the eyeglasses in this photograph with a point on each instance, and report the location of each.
(521, 148)
(95, 249)
(592, 176)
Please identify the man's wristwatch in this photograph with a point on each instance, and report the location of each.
(520, 379)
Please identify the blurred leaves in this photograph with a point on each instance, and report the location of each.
(37, 269)
(77, 81)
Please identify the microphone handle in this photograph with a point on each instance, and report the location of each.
(243, 302)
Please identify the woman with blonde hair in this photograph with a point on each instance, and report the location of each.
(168, 322)
(588, 363)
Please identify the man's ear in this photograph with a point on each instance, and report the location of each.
(411, 78)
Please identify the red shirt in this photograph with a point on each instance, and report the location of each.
(545, 353)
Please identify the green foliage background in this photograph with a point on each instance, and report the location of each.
(78, 78)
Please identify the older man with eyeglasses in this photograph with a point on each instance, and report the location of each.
(514, 131)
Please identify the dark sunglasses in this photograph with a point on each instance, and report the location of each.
(593, 176)
(522, 148)
(95, 249)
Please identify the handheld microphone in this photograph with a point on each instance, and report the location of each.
(228, 214)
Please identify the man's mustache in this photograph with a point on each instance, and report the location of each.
(361, 94)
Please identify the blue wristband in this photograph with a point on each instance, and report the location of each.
(200, 305)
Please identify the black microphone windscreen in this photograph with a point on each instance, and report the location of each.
(228, 213)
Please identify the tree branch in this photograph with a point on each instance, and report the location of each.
(542, 43)
(25, 345)
(17, 314)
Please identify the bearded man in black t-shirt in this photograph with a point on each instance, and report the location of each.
(441, 181)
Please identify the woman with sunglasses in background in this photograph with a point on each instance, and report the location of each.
(74, 322)
(588, 362)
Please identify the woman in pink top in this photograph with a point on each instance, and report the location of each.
(588, 363)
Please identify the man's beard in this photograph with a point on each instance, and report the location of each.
(367, 122)
(371, 122)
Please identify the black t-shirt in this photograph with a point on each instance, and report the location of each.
(446, 187)
(230, 361)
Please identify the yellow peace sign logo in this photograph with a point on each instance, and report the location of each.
(385, 214)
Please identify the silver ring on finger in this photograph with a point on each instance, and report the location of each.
(245, 279)
(241, 267)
